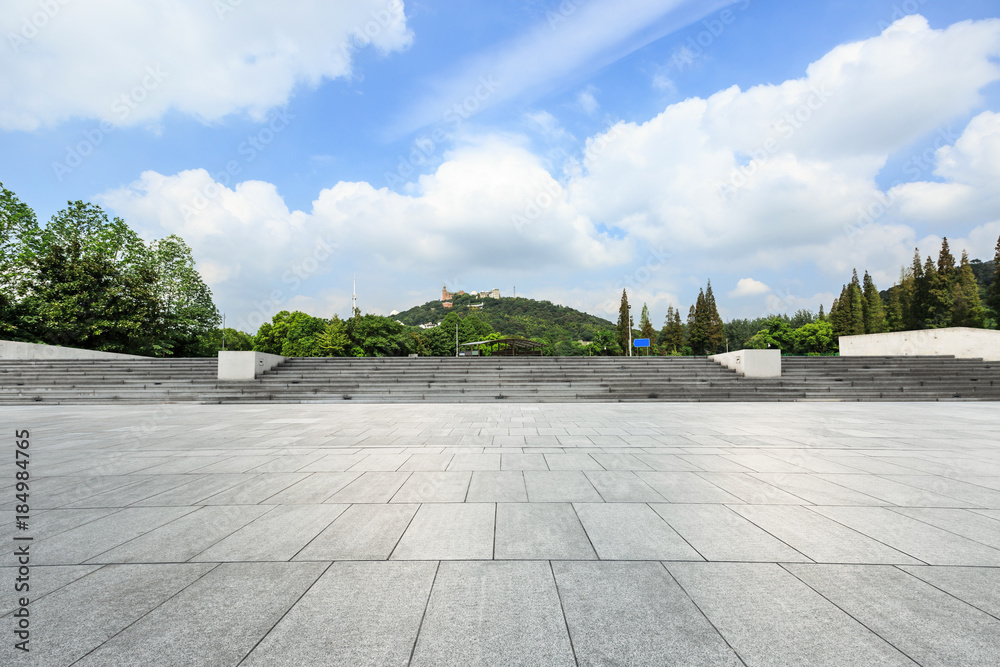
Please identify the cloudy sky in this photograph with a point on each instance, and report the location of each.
(566, 147)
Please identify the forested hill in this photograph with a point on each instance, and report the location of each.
(514, 317)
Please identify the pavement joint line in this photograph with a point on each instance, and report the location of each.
(423, 616)
(948, 593)
(871, 537)
(849, 614)
(282, 617)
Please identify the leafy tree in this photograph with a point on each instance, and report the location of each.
(211, 342)
(646, 329)
(813, 338)
(334, 341)
(294, 334)
(624, 323)
(894, 312)
(604, 344)
(187, 311)
(777, 334)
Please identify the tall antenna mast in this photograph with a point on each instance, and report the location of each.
(354, 296)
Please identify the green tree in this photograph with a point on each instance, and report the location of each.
(235, 340)
(993, 296)
(291, 334)
(646, 329)
(672, 335)
(697, 333)
(604, 344)
(937, 297)
(187, 311)
(334, 341)
(914, 294)
(715, 333)
(894, 311)
(776, 334)
(874, 312)
(967, 308)
(946, 262)
(813, 338)
(624, 324)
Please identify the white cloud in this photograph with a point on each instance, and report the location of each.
(749, 287)
(210, 59)
(587, 102)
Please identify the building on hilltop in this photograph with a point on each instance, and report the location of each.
(446, 304)
(448, 296)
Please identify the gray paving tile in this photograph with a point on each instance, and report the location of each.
(572, 462)
(256, 490)
(627, 531)
(371, 487)
(80, 544)
(184, 537)
(276, 536)
(920, 540)
(893, 492)
(362, 532)
(198, 489)
(497, 486)
(817, 491)
(114, 597)
(358, 613)
(978, 586)
(450, 531)
(494, 613)
(686, 487)
(522, 462)
(714, 463)
(559, 486)
(928, 625)
(968, 524)
(427, 462)
(42, 581)
(540, 531)
(970, 494)
(316, 488)
(434, 487)
(635, 614)
(750, 489)
(666, 462)
(380, 462)
(472, 462)
(819, 537)
(771, 618)
(215, 621)
(718, 533)
(622, 486)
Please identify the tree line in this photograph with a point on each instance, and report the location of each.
(88, 281)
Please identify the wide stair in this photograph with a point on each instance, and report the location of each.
(497, 380)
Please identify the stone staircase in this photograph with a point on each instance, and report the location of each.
(498, 379)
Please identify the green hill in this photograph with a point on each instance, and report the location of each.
(514, 317)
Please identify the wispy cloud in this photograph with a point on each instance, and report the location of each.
(575, 39)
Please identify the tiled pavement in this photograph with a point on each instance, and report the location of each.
(646, 534)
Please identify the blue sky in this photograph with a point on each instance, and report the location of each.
(570, 148)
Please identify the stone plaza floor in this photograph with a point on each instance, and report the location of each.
(536, 535)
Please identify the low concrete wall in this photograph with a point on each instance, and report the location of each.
(246, 365)
(752, 363)
(30, 351)
(962, 342)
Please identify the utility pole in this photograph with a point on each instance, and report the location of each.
(630, 330)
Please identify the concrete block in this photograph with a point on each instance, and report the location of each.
(246, 365)
(30, 351)
(961, 342)
(752, 363)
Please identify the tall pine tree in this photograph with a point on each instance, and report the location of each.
(715, 330)
(967, 308)
(874, 310)
(624, 323)
(698, 326)
(646, 329)
(993, 297)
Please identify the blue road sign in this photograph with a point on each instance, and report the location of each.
(641, 342)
